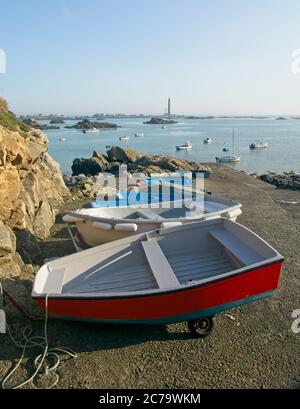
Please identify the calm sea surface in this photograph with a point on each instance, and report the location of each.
(282, 154)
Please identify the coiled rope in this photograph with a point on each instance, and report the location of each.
(40, 362)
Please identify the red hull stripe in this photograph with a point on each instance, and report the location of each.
(231, 291)
(210, 312)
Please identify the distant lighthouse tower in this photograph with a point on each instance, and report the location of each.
(169, 107)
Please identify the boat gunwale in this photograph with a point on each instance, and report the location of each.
(234, 206)
(112, 220)
(157, 292)
(277, 258)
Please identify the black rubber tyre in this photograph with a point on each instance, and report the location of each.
(202, 327)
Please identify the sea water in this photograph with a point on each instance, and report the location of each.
(282, 136)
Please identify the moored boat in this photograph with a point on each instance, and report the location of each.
(187, 145)
(139, 135)
(124, 138)
(258, 145)
(228, 159)
(91, 130)
(186, 273)
(207, 140)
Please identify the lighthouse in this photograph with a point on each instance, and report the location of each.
(169, 107)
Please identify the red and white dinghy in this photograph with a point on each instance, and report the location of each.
(186, 273)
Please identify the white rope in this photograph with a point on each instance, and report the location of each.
(27, 341)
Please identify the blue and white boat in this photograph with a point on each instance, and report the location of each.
(139, 212)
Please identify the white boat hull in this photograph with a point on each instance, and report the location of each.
(102, 225)
(228, 159)
(183, 148)
(258, 146)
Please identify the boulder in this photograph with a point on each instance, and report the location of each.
(35, 150)
(101, 160)
(9, 267)
(28, 247)
(90, 167)
(7, 241)
(43, 220)
(148, 163)
(3, 156)
(14, 146)
(9, 262)
(117, 154)
(20, 218)
(10, 187)
(132, 155)
(33, 187)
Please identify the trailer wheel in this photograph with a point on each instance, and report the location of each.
(201, 327)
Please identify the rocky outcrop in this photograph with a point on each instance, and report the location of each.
(287, 180)
(159, 163)
(135, 162)
(99, 162)
(160, 121)
(87, 124)
(57, 121)
(30, 182)
(33, 123)
(87, 187)
(31, 185)
(92, 166)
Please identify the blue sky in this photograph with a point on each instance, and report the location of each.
(211, 57)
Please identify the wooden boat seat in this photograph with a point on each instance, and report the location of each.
(55, 281)
(148, 214)
(160, 267)
(240, 250)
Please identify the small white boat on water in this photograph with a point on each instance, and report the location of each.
(124, 138)
(207, 140)
(92, 130)
(230, 158)
(62, 139)
(139, 135)
(258, 145)
(163, 127)
(101, 225)
(187, 145)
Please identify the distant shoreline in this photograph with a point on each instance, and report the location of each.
(52, 117)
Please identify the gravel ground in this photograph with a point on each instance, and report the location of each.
(251, 347)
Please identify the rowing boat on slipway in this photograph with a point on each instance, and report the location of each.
(100, 225)
(186, 273)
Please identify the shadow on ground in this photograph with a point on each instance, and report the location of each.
(79, 336)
